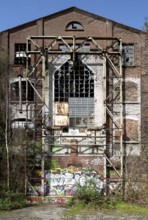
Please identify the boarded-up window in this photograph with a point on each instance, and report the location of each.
(81, 112)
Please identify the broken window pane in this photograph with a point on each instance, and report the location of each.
(74, 84)
(128, 55)
(73, 80)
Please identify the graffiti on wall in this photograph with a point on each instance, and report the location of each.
(64, 182)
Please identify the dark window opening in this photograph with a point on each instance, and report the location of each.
(74, 25)
(20, 54)
(65, 129)
(15, 91)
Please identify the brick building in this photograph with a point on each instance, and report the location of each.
(78, 90)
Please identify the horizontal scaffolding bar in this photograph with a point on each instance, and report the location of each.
(72, 37)
(70, 52)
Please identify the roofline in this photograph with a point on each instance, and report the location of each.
(50, 16)
(67, 10)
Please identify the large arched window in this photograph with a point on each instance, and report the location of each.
(74, 86)
(74, 25)
(73, 80)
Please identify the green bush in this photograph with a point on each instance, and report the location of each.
(54, 164)
(11, 200)
(88, 195)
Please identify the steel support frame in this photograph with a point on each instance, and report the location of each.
(74, 45)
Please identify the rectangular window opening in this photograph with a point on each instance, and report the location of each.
(15, 91)
(128, 54)
(20, 54)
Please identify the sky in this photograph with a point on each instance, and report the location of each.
(129, 12)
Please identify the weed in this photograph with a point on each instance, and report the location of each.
(131, 208)
(88, 195)
(11, 200)
(54, 164)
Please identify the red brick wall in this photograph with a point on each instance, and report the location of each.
(55, 26)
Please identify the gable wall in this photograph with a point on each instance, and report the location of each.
(92, 27)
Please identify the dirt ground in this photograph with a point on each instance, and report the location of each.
(54, 212)
(46, 212)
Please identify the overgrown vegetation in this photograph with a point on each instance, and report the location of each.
(11, 200)
(88, 199)
(11, 165)
(3, 118)
(89, 195)
(53, 164)
(137, 179)
(119, 207)
(131, 208)
(145, 27)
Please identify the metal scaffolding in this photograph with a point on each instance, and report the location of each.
(37, 75)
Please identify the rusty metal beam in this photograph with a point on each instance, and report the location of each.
(104, 53)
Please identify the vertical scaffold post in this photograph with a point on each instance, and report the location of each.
(73, 50)
(20, 93)
(43, 127)
(27, 67)
(104, 122)
(121, 119)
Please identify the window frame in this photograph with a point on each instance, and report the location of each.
(20, 49)
(14, 95)
(126, 55)
(71, 26)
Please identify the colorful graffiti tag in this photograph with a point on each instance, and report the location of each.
(64, 182)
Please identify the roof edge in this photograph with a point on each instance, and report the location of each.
(67, 10)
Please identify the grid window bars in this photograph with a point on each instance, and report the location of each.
(73, 80)
(74, 83)
(20, 54)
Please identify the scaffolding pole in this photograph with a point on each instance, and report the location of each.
(74, 45)
(105, 147)
(121, 119)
